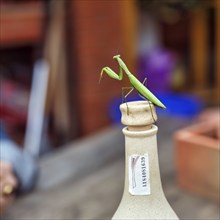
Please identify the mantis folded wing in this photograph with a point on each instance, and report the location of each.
(141, 89)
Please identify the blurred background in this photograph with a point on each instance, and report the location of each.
(51, 56)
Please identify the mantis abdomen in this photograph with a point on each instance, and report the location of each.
(144, 91)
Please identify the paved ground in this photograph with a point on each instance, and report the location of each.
(84, 180)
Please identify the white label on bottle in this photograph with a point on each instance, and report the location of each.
(139, 177)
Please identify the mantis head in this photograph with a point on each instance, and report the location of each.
(116, 57)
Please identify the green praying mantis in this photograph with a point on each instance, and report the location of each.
(135, 83)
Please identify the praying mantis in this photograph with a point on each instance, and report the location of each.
(135, 83)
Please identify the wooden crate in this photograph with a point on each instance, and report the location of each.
(197, 157)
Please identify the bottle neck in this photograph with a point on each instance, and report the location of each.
(141, 145)
(138, 202)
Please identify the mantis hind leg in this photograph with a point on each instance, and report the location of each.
(149, 105)
(125, 96)
(145, 79)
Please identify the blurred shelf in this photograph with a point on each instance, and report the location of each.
(20, 24)
(210, 95)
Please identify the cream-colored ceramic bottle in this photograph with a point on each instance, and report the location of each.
(143, 196)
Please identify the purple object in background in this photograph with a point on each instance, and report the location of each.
(157, 66)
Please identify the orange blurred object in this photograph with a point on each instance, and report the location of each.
(197, 155)
(21, 24)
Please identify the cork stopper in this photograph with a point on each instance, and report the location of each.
(138, 115)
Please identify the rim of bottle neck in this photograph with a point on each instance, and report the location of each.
(140, 133)
(138, 114)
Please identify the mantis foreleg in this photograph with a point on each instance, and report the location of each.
(111, 73)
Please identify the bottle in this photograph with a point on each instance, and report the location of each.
(143, 196)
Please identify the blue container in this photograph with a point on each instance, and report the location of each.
(178, 105)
